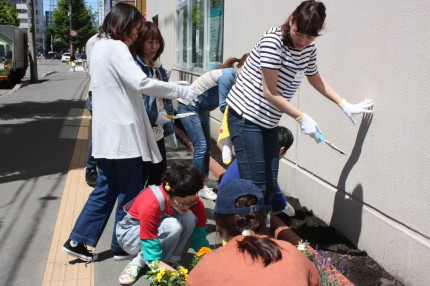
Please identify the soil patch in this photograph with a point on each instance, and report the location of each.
(354, 263)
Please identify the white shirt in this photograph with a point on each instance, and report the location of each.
(121, 128)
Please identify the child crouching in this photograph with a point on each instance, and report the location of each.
(161, 220)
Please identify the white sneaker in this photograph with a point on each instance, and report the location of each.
(207, 193)
(289, 210)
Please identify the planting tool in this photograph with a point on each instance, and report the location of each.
(322, 139)
(180, 115)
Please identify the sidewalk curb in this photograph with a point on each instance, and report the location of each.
(25, 83)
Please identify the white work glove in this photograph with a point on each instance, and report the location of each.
(186, 93)
(309, 127)
(171, 141)
(181, 82)
(162, 119)
(351, 109)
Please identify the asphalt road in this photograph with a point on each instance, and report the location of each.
(38, 127)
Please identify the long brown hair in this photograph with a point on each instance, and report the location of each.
(230, 62)
(309, 18)
(120, 21)
(257, 247)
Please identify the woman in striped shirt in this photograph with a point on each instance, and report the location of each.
(270, 77)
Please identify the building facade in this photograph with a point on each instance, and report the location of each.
(40, 25)
(377, 195)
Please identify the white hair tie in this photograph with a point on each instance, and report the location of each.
(248, 232)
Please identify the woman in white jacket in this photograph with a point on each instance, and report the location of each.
(122, 133)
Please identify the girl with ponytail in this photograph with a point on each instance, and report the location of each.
(250, 256)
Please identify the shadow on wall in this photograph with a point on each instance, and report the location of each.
(350, 204)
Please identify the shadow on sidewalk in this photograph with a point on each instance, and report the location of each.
(37, 138)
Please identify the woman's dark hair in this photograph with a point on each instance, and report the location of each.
(257, 247)
(120, 21)
(183, 180)
(150, 31)
(309, 18)
(229, 63)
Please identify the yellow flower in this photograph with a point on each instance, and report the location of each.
(204, 250)
(160, 274)
(183, 271)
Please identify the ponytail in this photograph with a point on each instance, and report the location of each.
(229, 63)
(258, 247)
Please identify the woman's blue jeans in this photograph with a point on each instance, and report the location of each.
(197, 129)
(257, 153)
(117, 179)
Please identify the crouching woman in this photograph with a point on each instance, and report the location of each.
(161, 220)
(250, 257)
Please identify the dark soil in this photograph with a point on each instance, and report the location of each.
(355, 264)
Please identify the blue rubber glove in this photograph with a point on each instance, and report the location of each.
(198, 238)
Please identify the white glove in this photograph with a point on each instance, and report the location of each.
(171, 141)
(162, 119)
(351, 109)
(309, 127)
(186, 93)
(181, 82)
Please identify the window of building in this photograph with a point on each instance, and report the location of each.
(200, 28)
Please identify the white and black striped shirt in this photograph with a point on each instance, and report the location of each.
(246, 97)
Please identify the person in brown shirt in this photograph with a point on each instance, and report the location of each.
(250, 257)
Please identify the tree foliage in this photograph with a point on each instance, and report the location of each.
(83, 22)
(8, 15)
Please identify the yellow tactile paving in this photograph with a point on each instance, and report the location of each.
(62, 269)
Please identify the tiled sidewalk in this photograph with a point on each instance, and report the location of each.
(60, 267)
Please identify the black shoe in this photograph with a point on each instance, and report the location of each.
(91, 178)
(80, 251)
(122, 256)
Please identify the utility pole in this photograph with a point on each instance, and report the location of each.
(71, 28)
(32, 41)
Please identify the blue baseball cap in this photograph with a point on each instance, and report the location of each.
(230, 192)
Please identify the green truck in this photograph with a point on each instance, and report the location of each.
(13, 54)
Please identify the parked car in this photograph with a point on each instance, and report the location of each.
(53, 55)
(65, 57)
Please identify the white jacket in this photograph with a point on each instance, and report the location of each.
(121, 128)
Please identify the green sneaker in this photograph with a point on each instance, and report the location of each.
(129, 274)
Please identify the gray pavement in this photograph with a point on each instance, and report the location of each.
(38, 128)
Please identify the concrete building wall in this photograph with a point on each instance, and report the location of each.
(377, 195)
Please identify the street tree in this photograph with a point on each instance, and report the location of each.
(82, 20)
(8, 15)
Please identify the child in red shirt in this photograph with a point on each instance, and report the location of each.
(161, 220)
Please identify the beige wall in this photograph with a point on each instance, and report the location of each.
(369, 49)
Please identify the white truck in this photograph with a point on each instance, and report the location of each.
(13, 54)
